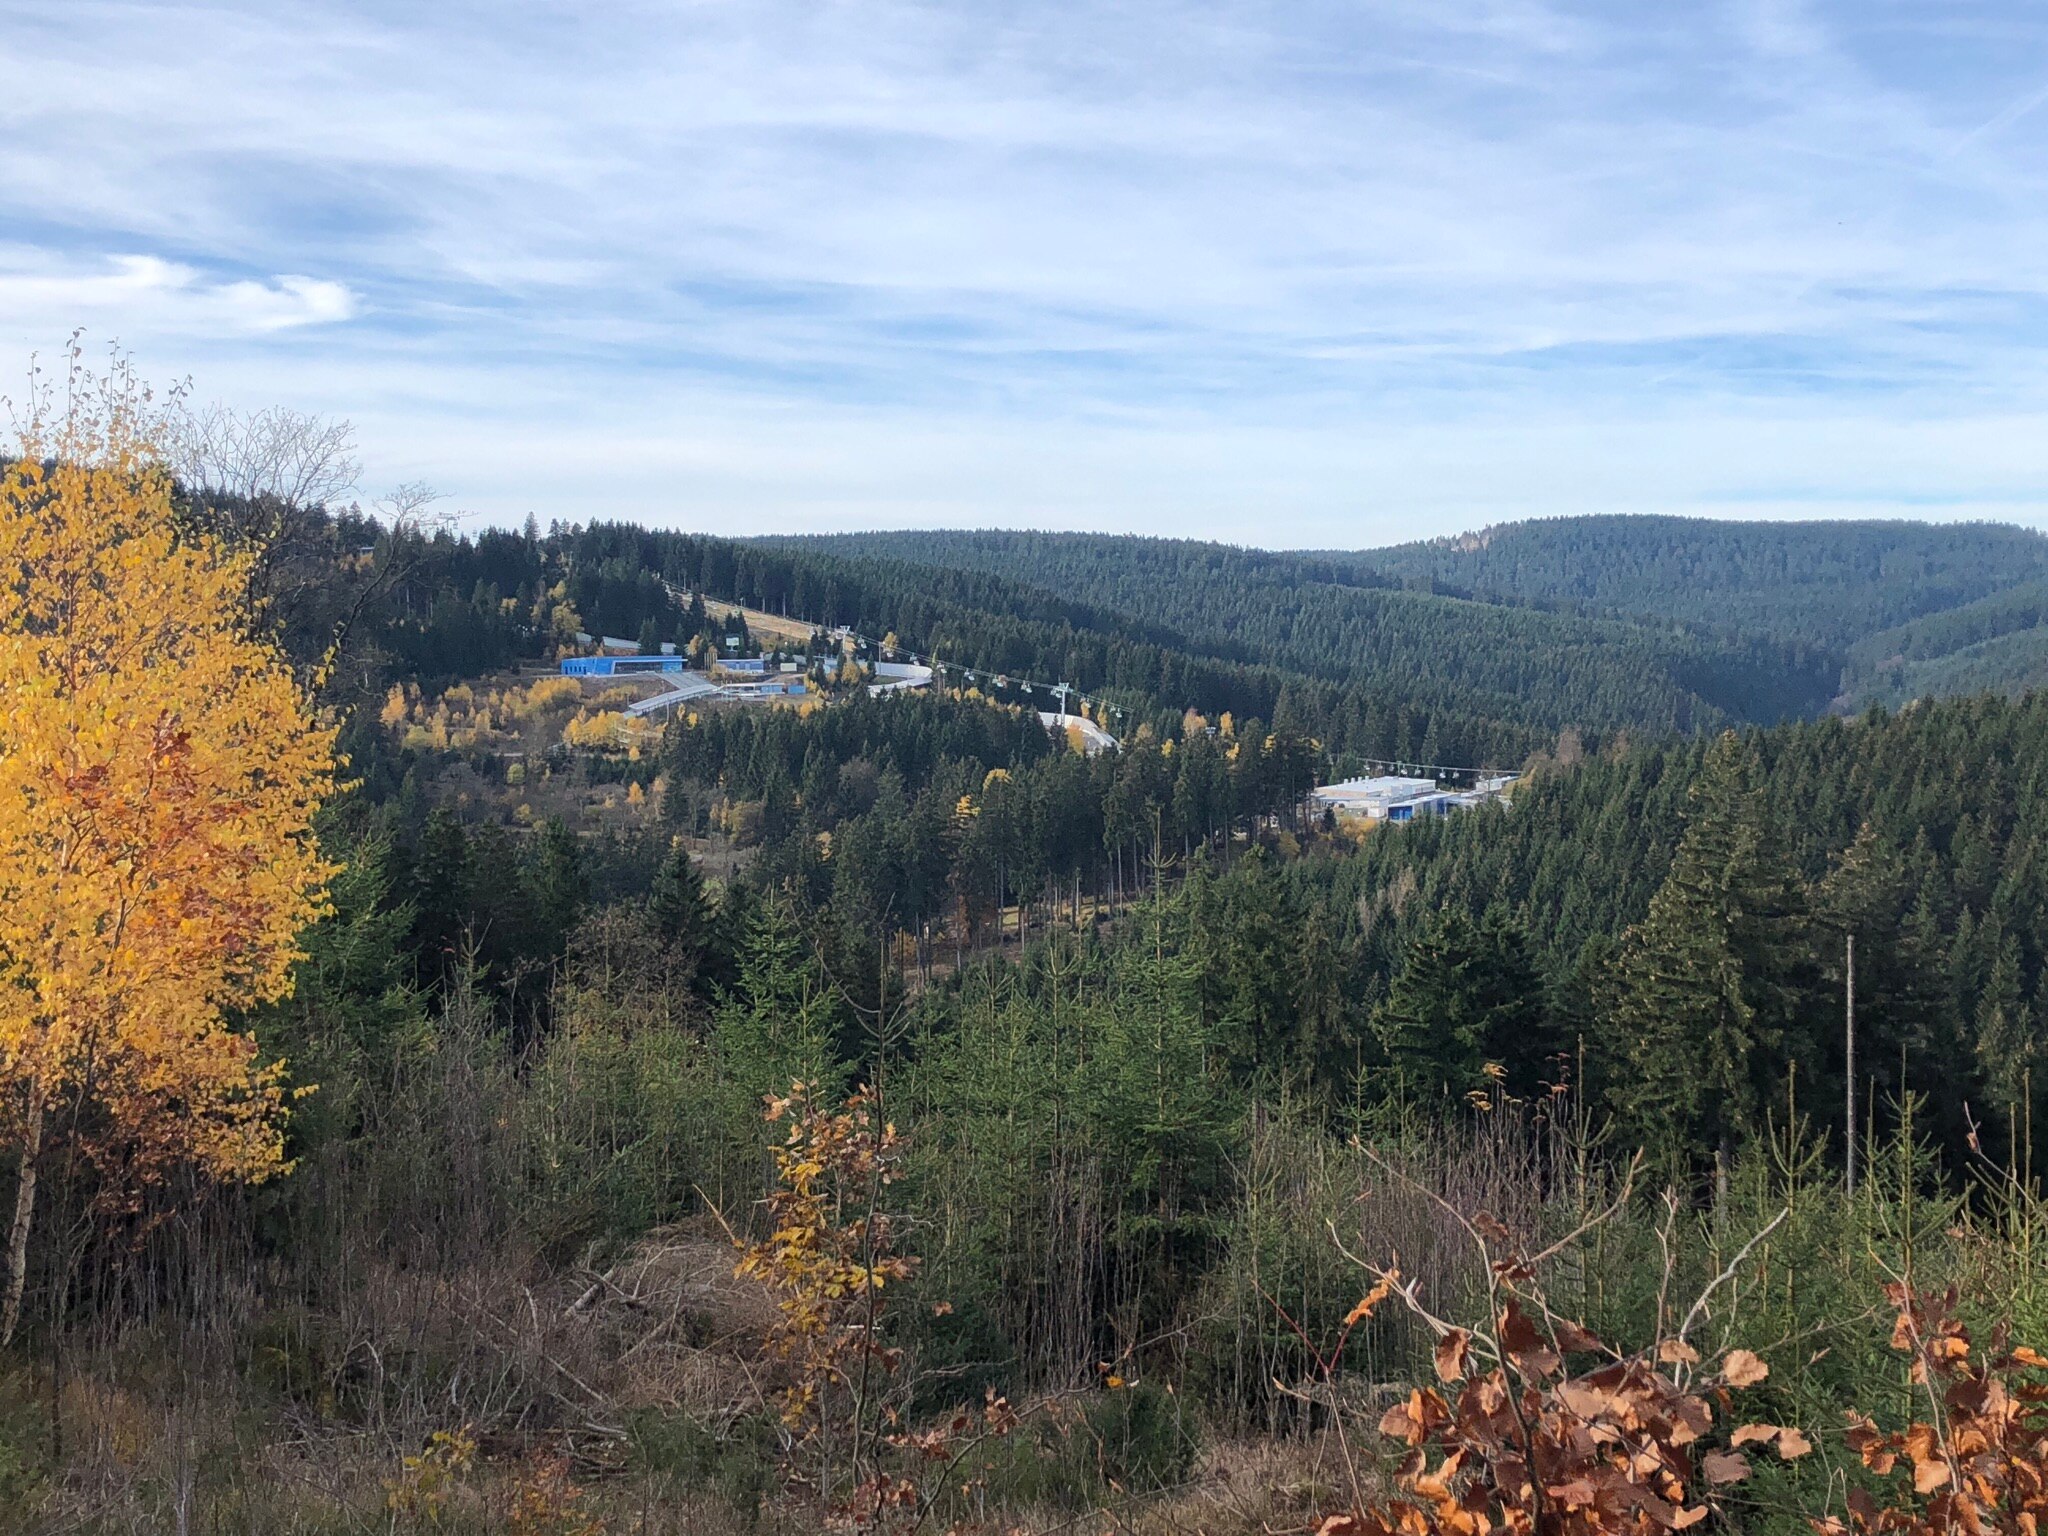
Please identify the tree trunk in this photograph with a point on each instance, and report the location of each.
(24, 1212)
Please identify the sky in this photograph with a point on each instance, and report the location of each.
(1292, 273)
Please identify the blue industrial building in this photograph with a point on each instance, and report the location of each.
(613, 666)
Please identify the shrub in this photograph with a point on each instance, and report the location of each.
(735, 1463)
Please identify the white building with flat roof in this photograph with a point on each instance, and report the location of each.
(1392, 797)
(1388, 797)
(896, 676)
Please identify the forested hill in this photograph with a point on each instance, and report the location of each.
(1329, 646)
(465, 605)
(1829, 583)
(1369, 672)
(1998, 643)
(1330, 618)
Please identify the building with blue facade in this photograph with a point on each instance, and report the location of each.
(613, 666)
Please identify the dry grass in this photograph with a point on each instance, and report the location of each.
(307, 1426)
(540, 1370)
(1249, 1488)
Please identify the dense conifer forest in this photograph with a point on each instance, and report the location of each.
(1773, 619)
(1827, 583)
(1336, 617)
(876, 1110)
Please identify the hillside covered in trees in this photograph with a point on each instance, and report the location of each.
(1333, 618)
(1772, 620)
(1831, 584)
(875, 1113)
(1425, 679)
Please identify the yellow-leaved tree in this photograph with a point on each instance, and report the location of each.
(159, 771)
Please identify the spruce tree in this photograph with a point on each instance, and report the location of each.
(2007, 1046)
(1466, 995)
(677, 908)
(1901, 1009)
(772, 1029)
(1425, 1058)
(1257, 994)
(560, 882)
(440, 896)
(1710, 984)
(1518, 1029)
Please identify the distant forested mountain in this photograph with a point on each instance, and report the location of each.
(1831, 584)
(1331, 618)
(1920, 609)
(1333, 646)
(1998, 643)
(457, 606)
(1761, 620)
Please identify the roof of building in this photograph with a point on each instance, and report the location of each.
(1387, 788)
(1093, 737)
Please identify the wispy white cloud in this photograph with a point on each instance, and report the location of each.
(160, 298)
(1109, 242)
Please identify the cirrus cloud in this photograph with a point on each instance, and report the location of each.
(1213, 267)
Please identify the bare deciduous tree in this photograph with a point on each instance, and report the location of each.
(403, 509)
(276, 454)
(272, 482)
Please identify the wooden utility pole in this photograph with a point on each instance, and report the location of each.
(1849, 1057)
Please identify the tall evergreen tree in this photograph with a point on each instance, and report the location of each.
(1466, 995)
(677, 906)
(1901, 1010)
(1256, 991)
(2008, 1048)
(561, 884)
(1710, 985)
(440, 896)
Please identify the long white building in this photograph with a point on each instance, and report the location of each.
(1391, 797)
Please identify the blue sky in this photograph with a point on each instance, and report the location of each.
(1284, 273)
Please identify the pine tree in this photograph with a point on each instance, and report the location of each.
(1157, 1109)
(1900, 1002)
(772, 1029)
(440, 896)
(1324, 1050)
(1257, 982)
(561, 884)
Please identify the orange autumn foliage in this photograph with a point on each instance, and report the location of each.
(159, 772)
(1529, 1446)
(1538, 1427)
(1627, 1446)
(1979, 1461)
